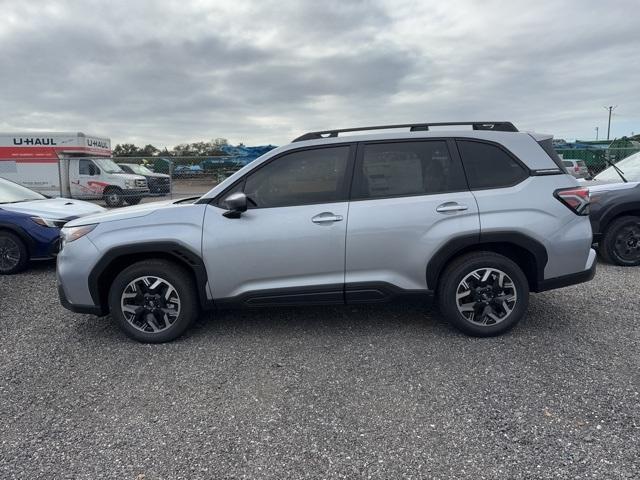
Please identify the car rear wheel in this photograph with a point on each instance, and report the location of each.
(113, 197)
(153, 301)
(13, 253)
(621, 242)
(483, 294)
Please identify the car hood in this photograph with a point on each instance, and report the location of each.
(121, 213)
(596, 187)
(156, 175)
(54, 208)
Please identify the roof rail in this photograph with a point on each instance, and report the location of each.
(413, 127)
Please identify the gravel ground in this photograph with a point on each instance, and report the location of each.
(341, 392)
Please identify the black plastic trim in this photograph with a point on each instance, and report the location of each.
(566, 280)
(457, 244)
(382, 292)
(182, 254)
(332, 294)
(413, 127)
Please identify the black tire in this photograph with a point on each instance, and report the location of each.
(620, 244)
(13, 253)
(169, 272)
(450, 285)
(133, 200)
(113, 197)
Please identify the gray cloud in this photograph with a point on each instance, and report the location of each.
(263, 72)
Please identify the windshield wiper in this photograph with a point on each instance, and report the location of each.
(615, 167)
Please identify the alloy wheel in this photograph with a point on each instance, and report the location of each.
(150, 304)
(486, 296)
(9, 254)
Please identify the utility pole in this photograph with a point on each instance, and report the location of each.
(611, 108)
(597, 133)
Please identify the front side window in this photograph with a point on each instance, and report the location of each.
(406, 168)
(86, 167)
(489, 166)
(300, 178)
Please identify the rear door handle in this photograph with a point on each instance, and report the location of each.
(326, 217)
(451, 207)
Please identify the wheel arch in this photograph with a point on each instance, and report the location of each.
(617, 211)
(118, 258)
(21, 234)
(530, 255)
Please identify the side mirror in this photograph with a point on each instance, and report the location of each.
(236, 204)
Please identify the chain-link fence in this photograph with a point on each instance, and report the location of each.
(596, 159)
(180, 177)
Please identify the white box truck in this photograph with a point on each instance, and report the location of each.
(71, 165)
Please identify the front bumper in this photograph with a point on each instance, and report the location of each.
(135, 192)
(573, 278)
(88, 309)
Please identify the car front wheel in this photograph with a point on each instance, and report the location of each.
(153, 301)
(13, 253)
(483, 294)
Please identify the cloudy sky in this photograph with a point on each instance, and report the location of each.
(172, 71)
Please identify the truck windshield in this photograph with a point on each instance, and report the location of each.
(140, 169)
(107, 165)
(12, 192)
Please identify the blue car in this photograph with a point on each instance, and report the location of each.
(30, 224)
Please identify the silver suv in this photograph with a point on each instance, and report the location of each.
(476, 217)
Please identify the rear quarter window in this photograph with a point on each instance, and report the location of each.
(489, 166)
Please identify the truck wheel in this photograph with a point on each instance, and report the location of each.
(13, 254)
(133, 200)
(621, 242)
(153, 301)
(483, 294)
(113, 197)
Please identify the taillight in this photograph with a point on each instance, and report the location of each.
(577, 199)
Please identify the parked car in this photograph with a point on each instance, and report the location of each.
(159, 184)
(615, 212)
(187, 171)
(577, 168)
(30, 224)
(477, 218)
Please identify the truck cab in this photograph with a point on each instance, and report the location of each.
(103, 178)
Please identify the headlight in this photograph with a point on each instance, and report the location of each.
(130, 183)
(69, 234)
(48, 222)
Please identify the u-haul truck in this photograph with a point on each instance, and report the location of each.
(71, 165)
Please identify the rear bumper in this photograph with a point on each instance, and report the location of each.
(572, 278)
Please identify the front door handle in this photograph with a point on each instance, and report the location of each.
(326, 217)
(451, 207)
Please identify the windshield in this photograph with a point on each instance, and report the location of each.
(139, 169)
(107, 165)
(12, 192)
(630, 168)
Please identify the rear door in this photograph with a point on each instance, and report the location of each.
(408, 199)
(289, 246)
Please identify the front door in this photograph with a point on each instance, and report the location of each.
(289, 246)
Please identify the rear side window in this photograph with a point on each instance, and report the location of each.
(488, 166)
(547, 146)
(300, 178)
(406, 168)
